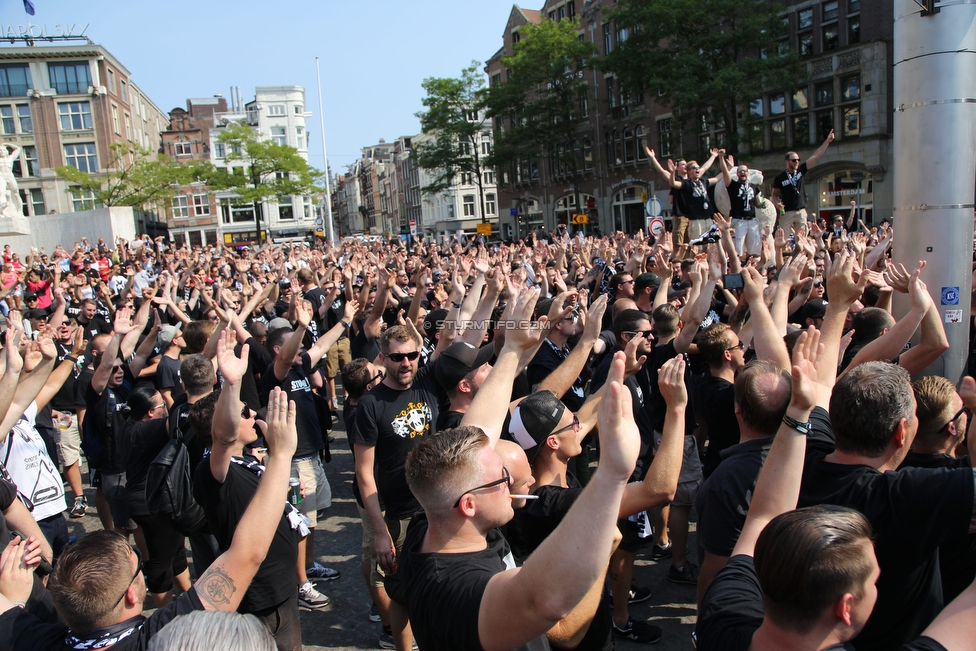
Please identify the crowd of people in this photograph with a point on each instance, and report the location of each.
(741, 373)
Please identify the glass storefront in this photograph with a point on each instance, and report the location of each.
(838, 189)
(628, 208)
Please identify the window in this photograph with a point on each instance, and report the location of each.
(450, 206)
(15, 80)
(850, 87)
(496, 79)
(641, 135)
(220, 150)
(777, 104)
(664, 137)
(611, 93)
(128, 125)
(806, 44)
(184, 149)
(801, 130)
(115, 120)
(279, 136)
(800, 100)
(830, 11)
(485, 146)
(587, 155)
(469, 207)
(111, 80)
(831, 37)
(853, 5)
(81, 156)
(276, 109)
(37, 201)
(825, 123)
(26, 122)
(300, 137)
(123, 91)
(853, 30)
(756, 137)
(629, 145)
(75, 116)
(83, 200)
(7, 118)
(299, 109)
(489, 178)
(852, 121)
(30, 157)
(467, 178)
(181, 207)
(68, 78)
(622, 34)
(201, 204)
(824, 92)
(285, 209)
(607, 38)
(756, 108)
(471, 116)
(777, 134)
(583, 108)
(805, 17)
(490, 203)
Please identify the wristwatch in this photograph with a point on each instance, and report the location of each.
(802, 428)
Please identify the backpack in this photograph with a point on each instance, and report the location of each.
(169, 487)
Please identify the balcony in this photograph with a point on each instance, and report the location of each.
(71, 87)
(14, 90)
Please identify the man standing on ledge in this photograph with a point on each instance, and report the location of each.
(788, 196)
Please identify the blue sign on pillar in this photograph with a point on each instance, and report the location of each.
(513, 212)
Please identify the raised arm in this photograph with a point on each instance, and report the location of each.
(521, 604)
(14, 365)
(692, 317)
(843, 291)
(665, 174)
(227, 413)
(223, 585)
(821, 150)
(145, 349)
(778, 487)
(287, 353)
(767, 339)
(485, 305)
(561, 380)
(323, 343)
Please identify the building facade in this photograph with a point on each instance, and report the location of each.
(846, 45)
(67, 105)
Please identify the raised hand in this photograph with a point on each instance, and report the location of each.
(917, 290)
(671, 381)
(752, 285)
(45, 343)
(231, 367)
(16, 576)
(840, 282)
(789, 275)
(11, 343)
(806, 354)
(619, 436)
(524, 338)
(123, 321)
(302, 312)
(281, 436)
(593, 318)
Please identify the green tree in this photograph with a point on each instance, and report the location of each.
(541, 107)
(134, 178)
(259, 170)
(705, 59)
(454, 120)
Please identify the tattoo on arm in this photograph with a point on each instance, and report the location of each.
(215, 587)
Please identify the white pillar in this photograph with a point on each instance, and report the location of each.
(935, 160)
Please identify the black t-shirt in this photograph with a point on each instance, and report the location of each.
(718, 409)
(21, 631)
(393, 422)
(957, 558)
(444, 591)
(695, 196)
(143, 441)
(658, 406)
(258, 359)
(316, 295)
(913, 511)
(349, 420)
(640, 391)
(743, 197)
(224, 505)
(539, 518)
(168, 376)
(97, 326)
(64, 399)
(363, 346)
(448, 420)
(732, 610)
(791, 188)
(678, 205)
(546, 360)
(8, 493)
(104, 413)
(299, 389)
(80, 389)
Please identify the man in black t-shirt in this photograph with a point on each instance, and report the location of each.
(694, 191)
(944, 417)
(725, 355)
(168, 369)
(744, 197)
(291, 371)
(93, 572)
(461, 370)
(788, 195)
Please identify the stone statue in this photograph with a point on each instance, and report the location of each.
(10, 203)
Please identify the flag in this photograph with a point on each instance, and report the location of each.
(29, 7)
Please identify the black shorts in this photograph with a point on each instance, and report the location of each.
(630, 530)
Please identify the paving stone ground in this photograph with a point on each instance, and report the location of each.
(345, 626)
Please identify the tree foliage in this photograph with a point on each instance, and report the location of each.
(261, 169)
(539, 105)
(454, 120)
(703, 58)
(134, 178)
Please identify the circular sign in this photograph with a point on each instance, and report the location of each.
(656, 227)
(653, 207)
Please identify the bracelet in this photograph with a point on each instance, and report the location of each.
(457, 305)
(73, 359)
(802, 428)
(19, 604)
(344, 324)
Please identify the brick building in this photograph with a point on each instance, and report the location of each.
(66, 104)
(846, 45)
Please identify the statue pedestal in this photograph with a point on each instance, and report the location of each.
(18, 225)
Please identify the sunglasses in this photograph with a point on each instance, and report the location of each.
(378, 376)
(738, 346)
(134, 576)
(246, 412)
(647, 333)
(574, 426)
(695, 167)
(399, 357)
(506, 479)
(793, 160)
(964, 410)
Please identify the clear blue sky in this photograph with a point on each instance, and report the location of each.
(373, 55)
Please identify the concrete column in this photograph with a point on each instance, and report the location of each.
(935, 160)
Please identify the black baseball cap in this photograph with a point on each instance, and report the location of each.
(458, 360)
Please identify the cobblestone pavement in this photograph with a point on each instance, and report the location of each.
(345, 625)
